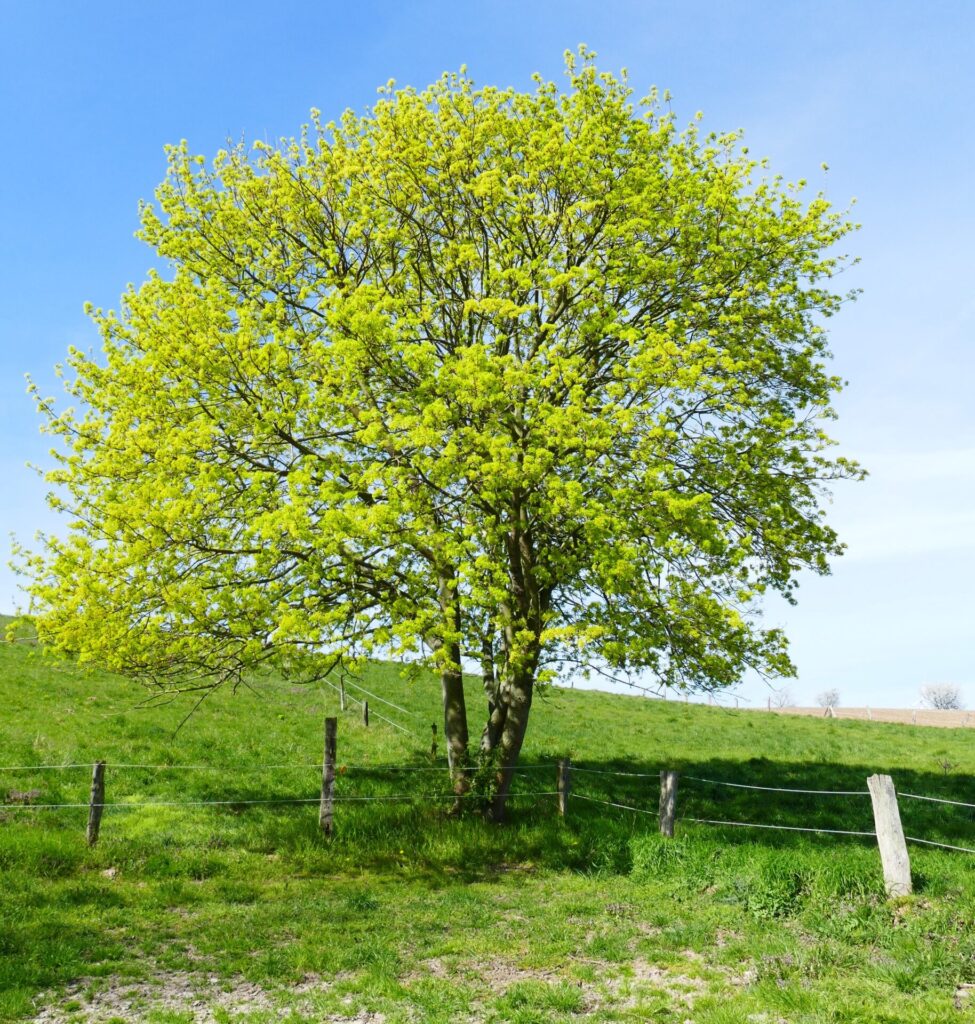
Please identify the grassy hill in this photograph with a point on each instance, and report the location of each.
(240, 911)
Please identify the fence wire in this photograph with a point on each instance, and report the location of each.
(943, 846)
(148, 804)
(375, 696)
(780, 789)
(935, 799)
(436, 799)
(264, 767)
(610, 803)
(779, 828)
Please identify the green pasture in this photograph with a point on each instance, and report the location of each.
(241, 911)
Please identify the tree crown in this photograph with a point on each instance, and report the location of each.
(532, 379)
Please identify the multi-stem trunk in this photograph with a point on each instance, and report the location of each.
(504, 733)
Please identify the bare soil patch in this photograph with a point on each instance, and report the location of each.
(204, 998)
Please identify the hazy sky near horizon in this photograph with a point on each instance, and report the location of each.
(882, 92)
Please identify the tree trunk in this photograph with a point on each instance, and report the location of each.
(497, 709)
(518, 694)
(455, 726)
(493, 728)
(452, 688)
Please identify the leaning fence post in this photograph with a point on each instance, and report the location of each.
(328, 777)
(342, 694)
(433, 745)
(96, 803)
(365, 712)
(890, 836)
(563, 785)
(668, 802)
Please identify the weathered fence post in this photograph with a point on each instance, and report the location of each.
(563, 786)
(433, 746)
(668, 802)
(365, 712)
(342, 694)
(890, 836)
(328, 777)
(96, 803)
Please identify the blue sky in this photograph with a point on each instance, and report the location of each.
(881, 92)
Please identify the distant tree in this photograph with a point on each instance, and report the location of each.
(782, 698)
(828, 698)
(520, 381)
(942, 696)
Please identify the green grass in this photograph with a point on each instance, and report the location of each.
(415, 916)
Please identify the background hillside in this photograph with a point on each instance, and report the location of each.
(189, 910)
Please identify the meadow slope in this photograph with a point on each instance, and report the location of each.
(240, 911)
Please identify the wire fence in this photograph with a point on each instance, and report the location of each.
(691, 812)
(688, 817)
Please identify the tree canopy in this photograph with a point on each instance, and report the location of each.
(520, 381)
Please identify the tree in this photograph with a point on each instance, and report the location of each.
(828, 698)
(781, 698)
(942, 696)
(521, 381)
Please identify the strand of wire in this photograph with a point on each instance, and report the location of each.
(259, 767)
(943, 846)
(601, 771)
(375, 696)
(374, 713)
(935, 799)
(779, 828)
(739, 824)
(611, 803)
(780, 789)
(388, 798)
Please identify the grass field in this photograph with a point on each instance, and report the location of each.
(243, 912)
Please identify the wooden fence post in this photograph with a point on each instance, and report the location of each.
(365, 712)
(96, 803)
(342, 694)
(890, 836)
(433, 746)
(668, 802)
(563, 785)
(328, 777)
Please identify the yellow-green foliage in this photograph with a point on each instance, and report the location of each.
(535, 374)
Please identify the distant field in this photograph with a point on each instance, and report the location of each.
(901, 716)
(241, 911)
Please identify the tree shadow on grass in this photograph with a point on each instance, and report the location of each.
(766, 803)
(770, 804)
